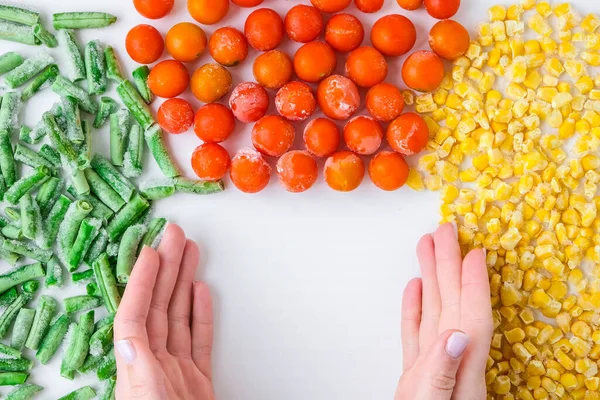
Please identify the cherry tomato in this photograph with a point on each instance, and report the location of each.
(449, 39)
(369, 6)
(228, 46)
(186, 41)
(366, 67)
(273, 69)
(208, 12)
(344, 171)
(314, 61)
(249, 171)
(393, 35)
(344, 32)
(303, 23)
(273, 135)
(442, 9)
(247, 3)
(321, 137)
(295, 101)
(384, 102)
(144, 44)
(211, 82)
(153, 9)
(363, 135)
(175, 115)
(214, 123)
(249, 102)
(410, 5)
(210, 161)
(330, 6)
(408, 134)
(297, 171)
(264, 29)
(423, 71)
(388, 170)
(168, 78)
(338, 97)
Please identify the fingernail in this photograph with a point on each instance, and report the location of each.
(457, 344)
(126, 350)
(455, 228)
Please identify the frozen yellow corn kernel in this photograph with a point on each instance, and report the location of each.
(517, 71)
(547, 94)
(515, 335)
(594, 94)
(509, 294)
(592, 58)
(581, 329)
(582, 127)
(533, 80)
(415, 181)
(539, 24)
(564, 87)
(567, 129)
(580, 347)
(528, 4)
(554, 266)
(449, 193)
(561, 100)
(514, 12)
(554, 67)
(544, 9)
(535, 60)
(521, 352)
(593, 383)
(453, 101)
(514, 28)
(497, 13)
(585, 84)
(409, 97)
(564, 360)
(438, 115)
(568, 380)
(575, 68)
(558, 290)
(590, 23)
(440, 96)
(563, 320)
(539, 299)
(535, 368)
(502, 385)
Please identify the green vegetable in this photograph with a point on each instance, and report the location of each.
(44, 36)
(64, 87)
(108, 367)
(113, 67)
(9, 315)
(84, 393)
(187, 185)
(107, 107)
(30, 68)
(20, 275)
(19, 15)
(54, 273)
(13, 378)
(120, 122)
(17, 33)
(24, 392)
(135, 103)
(68, 41)
(88, 230)
(10, 61)
(27, 183)
(31, 158)
(44, 312)
(30, 216)
(53, 339)
(140, 79)
(128, 249)
(71, 112)
(47, 76)
(158, 149)
(53, 221)
(22, 327)
(103, 191)
(127, 216)
(8, 296)
(82, 20)
(27, 250)
(79, 345)
(107, 283)
(81, 303)
(113, 177)
(95, 67)
(133, 160)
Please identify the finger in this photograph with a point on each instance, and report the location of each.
(202, 329)
(477, 322)
(170, 252)
(138, 373)
(431, 304)
(448, 261)
(411, 322)
(130, 320)
(439, 367)
(179, 342)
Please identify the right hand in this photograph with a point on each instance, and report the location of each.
(446, 323)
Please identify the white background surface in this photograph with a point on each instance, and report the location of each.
(307, 287)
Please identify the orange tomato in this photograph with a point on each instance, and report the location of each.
(393, 35)
(264, 29)
(366, 66)
(297, 171)
(321, 137)
(423, 71)
(369, 6)
(330, 6)
(228, 46)
(344, 171)
(249, 102)
(344, 32)
(303, 23)
(363, 135)
(408, 134)
(295, 101)
(186, 41)
(247, 3)
(442, 9)
(153, 9)
(210, 82)
(273, 135)
(144, 44)
(208, 12)
(273, 69)
(314, 61)
(210, 161)
(338, 97)
(249, 171)
(384, 102)
(214, 123)
(410, 5)
(168, 78)
(449, 39)
(175, 116)
(388, 170)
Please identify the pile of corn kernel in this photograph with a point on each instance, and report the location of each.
(516, 161)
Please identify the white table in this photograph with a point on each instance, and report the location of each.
(307, 287)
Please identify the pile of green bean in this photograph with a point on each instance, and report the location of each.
(73, 209)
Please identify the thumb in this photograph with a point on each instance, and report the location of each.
(439, 366)
(136, 370)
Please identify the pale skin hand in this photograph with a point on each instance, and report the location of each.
(164, 329)
(446, 323)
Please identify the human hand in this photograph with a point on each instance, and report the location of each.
(163, 328)
(446, 322)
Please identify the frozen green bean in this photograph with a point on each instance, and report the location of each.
(20, 275)
(8, 352)
(25, 134)
(10, 61)
(8, 296)
(135, 103)
(79, 345)
(81, 303)
(113, 66)
(140, 79)
(158, 189)
(95, 66)
(30, 68)
(154, 232)
(120, 122)
(84, 393)
(64, 87)
(71, 342)
(24, 392)
(13, 378)
(127, 216)
(187, 185)
(82, 20)
(41, 81)
(128, 251)
(69, 227)
(44, 36)
(92, 289)
(8, 167)
(88, 230)
(107, 283)
(9, 111)
(79, 182)
(44, 313)
(9, 315)
(16, 365)
(54, 273)
(103, 191)
(14, 214)
(97, 247)
(83, 275)
(158, 149)
(53, 221)
(101, 341)
(100, 210)
(113, 177)
(134, 153)
(27, 183)
(108, 367)
(85, 149)
(68, 41)
(22, 327)
(53, 339)
(12, 231)
(30, 217)
(27, 250)
(19, 15)
(50, 154)
(48, 194)
(109, 391)
(18, 33)
(107, 107)
(30, 286)
(31, 158)
(71, 111)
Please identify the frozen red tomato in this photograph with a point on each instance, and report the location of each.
(297, 171)
(175, 115)
(338, 97)
(408, 134)
(363, 135)
(273, 135)
(249, 102)
(321, 137)
(214, 123)
(295, 101)
(210, 161)
(249, 171)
